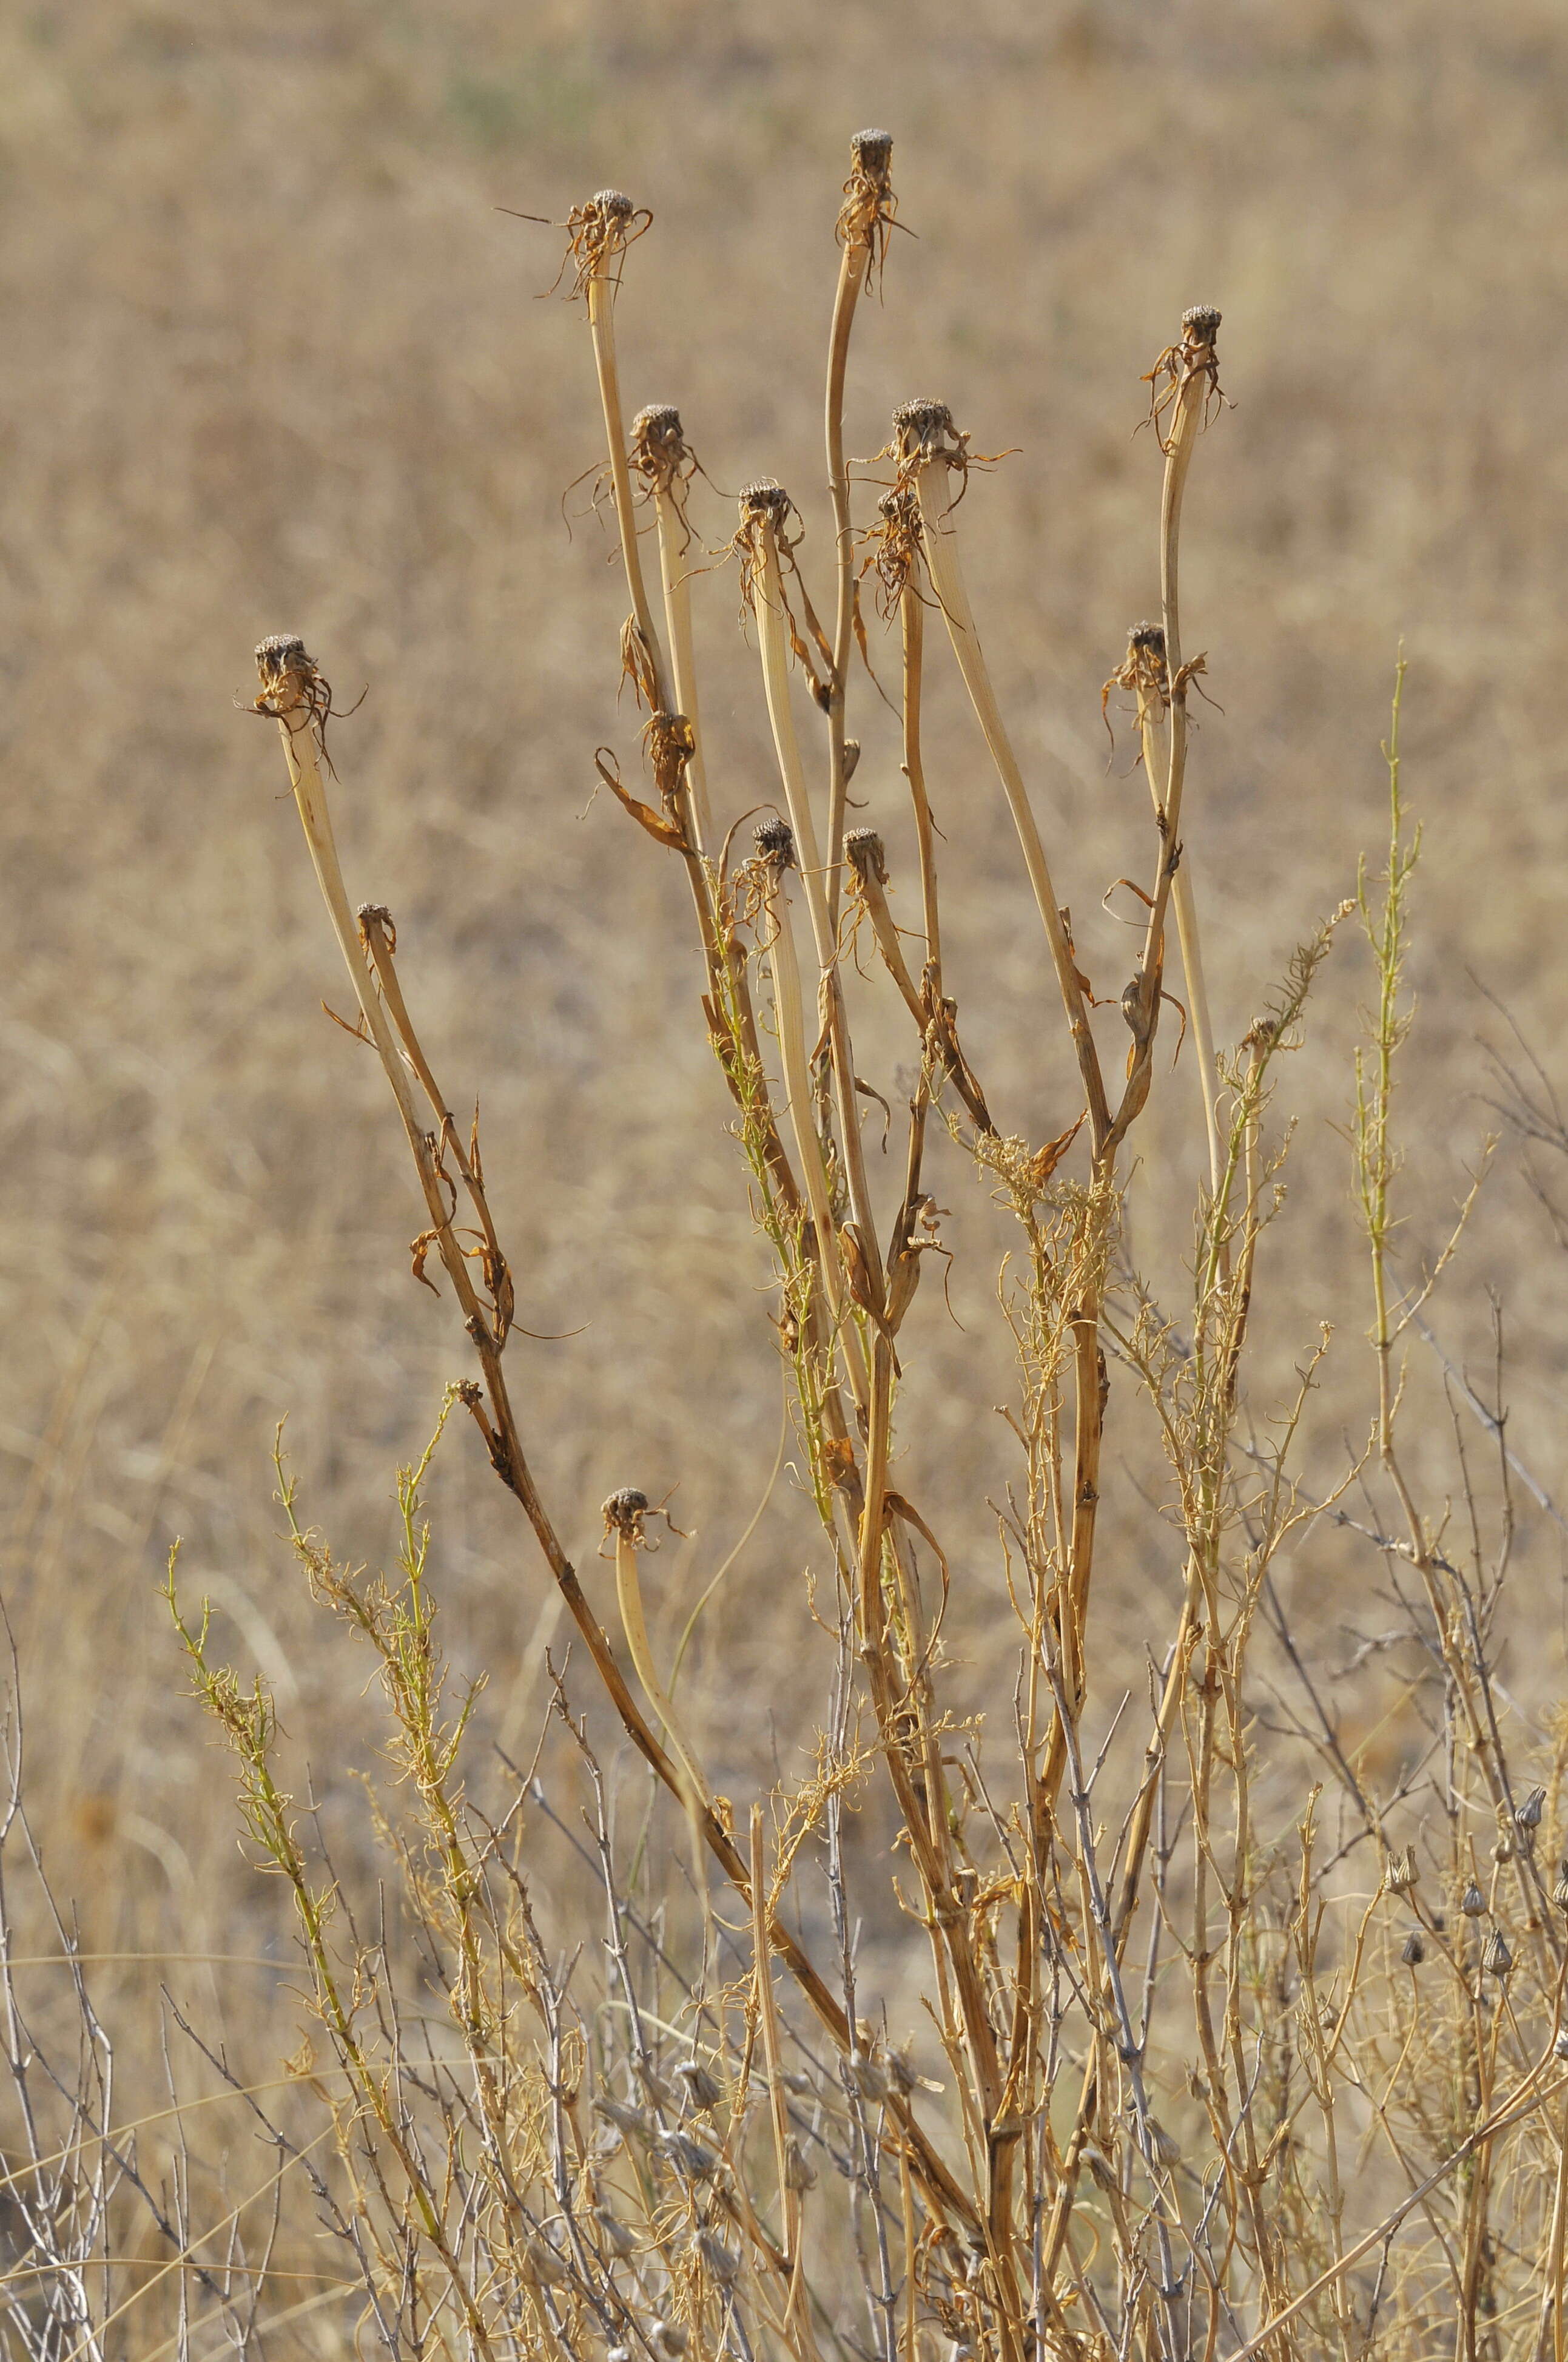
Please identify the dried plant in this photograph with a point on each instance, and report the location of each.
(1193, 2073)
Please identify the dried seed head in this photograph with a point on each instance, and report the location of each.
(851, 758)
(1201, 323)
(660, 453)
(1497, 1959)
(1528, 1815)
(1401, 1873)
(624, 1512)
(921, 425)
(610, 204)
(1413, 1950)
(765, 498)
(1473, 1901)
(775, 842)
(866, 856)
(658, 442)
(1167, 2148)
(800, 2174)
(866, 217)
(1504, 1849)
(1560, 1893)
(1560, 2045)
(293, 683)
(278, 655)
(1146, 639)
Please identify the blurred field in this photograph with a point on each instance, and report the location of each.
(272, 359)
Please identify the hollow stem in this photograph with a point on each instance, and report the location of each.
(941, 540)
(773, 644)
(674, 541)
(629, 1598)
(788, 1016)
(601, 326)
(1184, 902)
(851, 280)
(1182, 442)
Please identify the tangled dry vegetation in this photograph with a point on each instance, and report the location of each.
(1226, 2045)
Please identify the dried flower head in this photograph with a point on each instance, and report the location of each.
(1473, 1901)
(1144, 674)
(1496, 1958)
(1413, 1950)
(867, 855)
(671, 743)
(925, 435)
(1527, 1816)
(893, 546)
(1401, 1873)
(869, 214)
(660, 452)
(624, 1512)
(598, 234)
(775, 842)
(767, 509)
(1194, 359)
(765, 500)
(662, 457)
(924, 428)
(292, 684)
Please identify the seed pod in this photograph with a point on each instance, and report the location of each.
(1413, 1951)
(800, 2173)
(688, 2154)
(1560, 2045)
(1528, 1815)
(1401, 1873)
(1201, 323)
(701, 2089)
(721, 2262)
(870, 2079)
(625, 2119)
(1560, 1893)
(543, 2261)
(1167, 2148)
(1473, 1901)
(1497, 1959)
(617, 2234)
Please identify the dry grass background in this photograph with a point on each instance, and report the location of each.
(273, 360)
